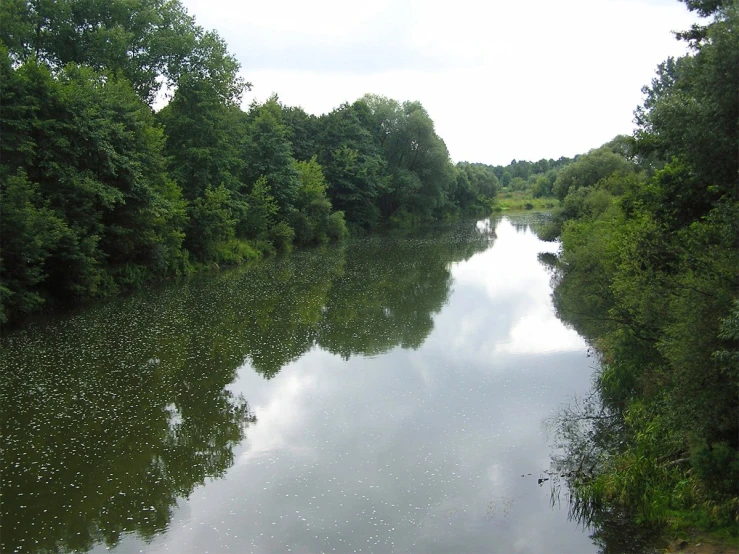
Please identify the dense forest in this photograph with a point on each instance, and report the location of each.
(649, 273)
(100, 192)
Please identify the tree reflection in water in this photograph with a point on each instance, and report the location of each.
(585, 431)
(115, 412)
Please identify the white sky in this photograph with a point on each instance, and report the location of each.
(501, 80)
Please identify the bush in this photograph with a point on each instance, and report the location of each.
(282, 235)
(131, 275)
(264, 247)
(336, 226)
(304, 233)
(717, 465)
(235, 251)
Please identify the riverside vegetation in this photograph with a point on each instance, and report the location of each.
(100, 193)
(649, 273)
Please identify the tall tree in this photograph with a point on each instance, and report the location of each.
(353, 164)
(150, 42)
(94, 155)
(417, 158)
(204, 134)
(267, 153)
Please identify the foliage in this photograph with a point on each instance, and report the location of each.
(262, 210)
(102, 194)
(203, 136)
(211, 223)
(312, 203)
(282, 236)
(648, 272)
(521, 200)
(336, 228)
(31, 233)
(420, 172)
(89, 149)
(148, 42)
(588, 169)
(267, 154)
(353, 165)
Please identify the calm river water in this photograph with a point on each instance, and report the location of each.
(387, 395)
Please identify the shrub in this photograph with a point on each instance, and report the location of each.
(235, 251)
(282, 235)
(717, 465)
(336, 226)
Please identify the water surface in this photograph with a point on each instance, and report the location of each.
(383, 396)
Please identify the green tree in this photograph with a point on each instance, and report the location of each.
(262, 210)
(303, 131)
(203, 138)
(422, 175)
(313, 207)
(588, 169)
(149, 42)
(689, 120)
(267, 153)
(211, 223)
(650, 276)
(30, 234)
(542, 187)
(92, 152)
(353, 165)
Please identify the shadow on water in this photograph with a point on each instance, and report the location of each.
(101, 437)
(584, 432)
(112, 414)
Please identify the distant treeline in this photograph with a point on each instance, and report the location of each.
(100, 193)
(649, 273)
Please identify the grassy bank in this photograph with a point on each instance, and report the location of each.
(507, 201)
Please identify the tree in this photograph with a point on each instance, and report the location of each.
(476, 183)
(689, 120)
(93, 155)
(313, 207)
(31, 232)
(588, 169)
(353, 165)
(650, 276)
(418, 161)
(211, 223)
(203, 139)
(149, 42)
(267, 153)
(262, 210)
(303, 131)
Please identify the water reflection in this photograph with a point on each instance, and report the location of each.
(399, 385)
(586, 430)
(391, 290)
(111, 415)
(513, 315)
(104, 430)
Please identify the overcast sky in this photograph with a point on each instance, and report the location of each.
(501, 80)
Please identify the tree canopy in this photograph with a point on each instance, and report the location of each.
(649, 272)
(101, 194)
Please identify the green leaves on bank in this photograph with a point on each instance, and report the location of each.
(649, 272)
(99, 193)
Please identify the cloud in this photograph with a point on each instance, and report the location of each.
(325, 36)
(502, 80)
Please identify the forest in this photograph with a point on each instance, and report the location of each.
(101, 192)
(649, 274)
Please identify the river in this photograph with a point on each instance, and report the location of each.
(387, 395)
